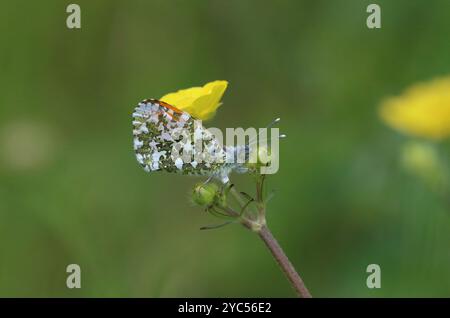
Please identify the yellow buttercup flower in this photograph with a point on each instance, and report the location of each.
(422, 111)
(200, 102)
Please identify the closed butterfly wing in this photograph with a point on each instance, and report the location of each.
(168, 139)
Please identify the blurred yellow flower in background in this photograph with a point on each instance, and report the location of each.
(423, 110)
(200, 102)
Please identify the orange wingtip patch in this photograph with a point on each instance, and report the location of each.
(176, 110)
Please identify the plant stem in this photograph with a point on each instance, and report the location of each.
(282, 260)
(259, 226)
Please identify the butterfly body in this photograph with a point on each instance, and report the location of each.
(171, 140)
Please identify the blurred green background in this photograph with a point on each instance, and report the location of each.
(71, 190)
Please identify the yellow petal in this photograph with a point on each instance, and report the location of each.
(423, 110)
(200, 102)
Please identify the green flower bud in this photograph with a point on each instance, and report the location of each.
(422, 160)
(207, 194)
(260, 156)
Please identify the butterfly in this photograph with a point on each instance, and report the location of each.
(169, 139)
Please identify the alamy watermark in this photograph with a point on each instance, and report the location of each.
(74, 278)
(374, 19)
(374, 279)
(73, 20)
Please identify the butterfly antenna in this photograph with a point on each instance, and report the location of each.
(273, 123)
(270, 125)
(281, 136)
